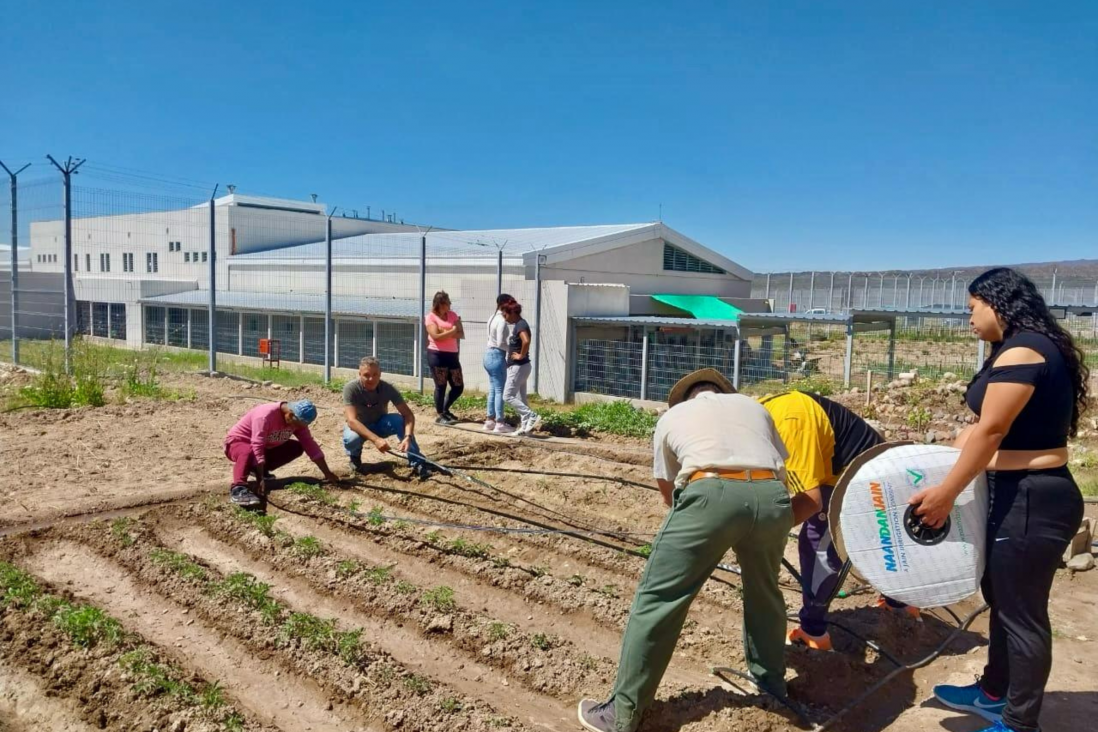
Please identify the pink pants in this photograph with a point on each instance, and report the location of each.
(243, 459)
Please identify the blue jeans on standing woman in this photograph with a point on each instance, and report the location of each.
(495, 363)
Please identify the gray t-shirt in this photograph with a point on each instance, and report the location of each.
(716, 431)
(514, 343)
(370, 406)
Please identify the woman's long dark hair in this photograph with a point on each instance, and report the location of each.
(1018, 302)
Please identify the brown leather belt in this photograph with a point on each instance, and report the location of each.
(754, 474)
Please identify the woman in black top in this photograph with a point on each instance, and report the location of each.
(1029, 396)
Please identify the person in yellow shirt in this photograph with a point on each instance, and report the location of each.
(822, 438)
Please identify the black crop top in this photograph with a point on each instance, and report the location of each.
(1045, 420)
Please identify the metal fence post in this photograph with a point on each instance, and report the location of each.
(736, 359)
(537, 321)
(644, 364)
(327, 299)
(831, 294)
(892, 349)
(907, 301)
(212, 333)
(789, 305)
(422, 301)
(66, 174)
(767, 295)
(811, 289)
(848, 361)
(499, 271)
(15, 258)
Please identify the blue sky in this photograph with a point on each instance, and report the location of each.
(807, 135)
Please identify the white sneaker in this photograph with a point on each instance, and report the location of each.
(531, 424)
(489, 425)
(502, 428)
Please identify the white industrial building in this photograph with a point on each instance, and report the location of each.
(143, 278)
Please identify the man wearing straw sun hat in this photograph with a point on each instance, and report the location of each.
(720, 465)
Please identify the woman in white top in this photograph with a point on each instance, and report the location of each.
(495, 363)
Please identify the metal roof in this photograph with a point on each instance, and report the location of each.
(515, 242)
(654, 320)
(373, 307)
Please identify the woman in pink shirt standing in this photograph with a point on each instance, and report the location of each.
(443, 331)
(263, 441)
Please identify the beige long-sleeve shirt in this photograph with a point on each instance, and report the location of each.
(716, 432)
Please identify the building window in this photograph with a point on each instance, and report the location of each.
(87, 263)
(76, 263)
(104, 262)
(127, 262)
(186, 256)
(676, 260)
(151, 261)
(204, 255)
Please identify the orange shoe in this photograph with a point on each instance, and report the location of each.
(909, 611)
(797, 637)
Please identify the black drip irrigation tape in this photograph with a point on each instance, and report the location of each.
(545, 445)
(531, 471)
(962, 624)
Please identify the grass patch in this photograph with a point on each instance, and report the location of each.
(374, 518)
(154, 679)
(615, 418)
(498, 631)
(645, 550)
(404, 588)
(541, 642)
(380, 575)
(120, 530)
(19, 588)
(311, 631)
(418, 685)
(233, 723)
(179, 563)
(440, 598)
(349, 646)
(312, 492)
(308, 546)
(450, 705)
(576, 580)
(348, 568)
(262, 523)
(469, 548)
(87, 626)
(246, 589)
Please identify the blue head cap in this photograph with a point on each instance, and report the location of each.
(304, 410)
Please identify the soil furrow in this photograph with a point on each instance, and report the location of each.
(578, 627)
(291, 703)
(25, 705)
(472, 678)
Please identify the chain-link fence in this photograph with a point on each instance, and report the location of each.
(262, 281)
(290, 284)
(838, 292)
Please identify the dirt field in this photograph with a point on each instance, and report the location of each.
(335, 615)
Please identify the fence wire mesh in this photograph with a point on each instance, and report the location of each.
(142, 253)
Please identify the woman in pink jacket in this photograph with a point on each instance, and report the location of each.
(262, 441)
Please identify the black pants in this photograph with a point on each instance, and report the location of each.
(446, 369)
(1034, 514)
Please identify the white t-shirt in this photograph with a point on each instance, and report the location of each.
(716, 432)
(497, 332)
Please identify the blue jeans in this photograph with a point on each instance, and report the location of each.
(495, 363)
(388, 426)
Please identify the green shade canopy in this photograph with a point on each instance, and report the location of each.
(702, 307)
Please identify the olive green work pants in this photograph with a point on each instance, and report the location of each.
(708, 517)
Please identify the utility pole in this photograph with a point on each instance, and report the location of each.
(211, 334)
(14, 256)
(850, 292)
(831, 293)
(789, 305)
(811, 288)
(67, 170)
(328, 298)
(767, 295)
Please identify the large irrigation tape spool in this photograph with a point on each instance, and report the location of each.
(873, 525)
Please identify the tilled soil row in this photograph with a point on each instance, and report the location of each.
(343, 663)
(542, 662)
(714, 621)
(110, 676)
